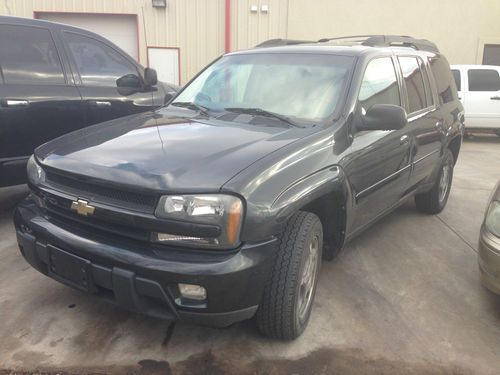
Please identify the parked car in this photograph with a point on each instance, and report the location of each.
(55, 79)
(489, 244)
(479, 90)
(220, 206)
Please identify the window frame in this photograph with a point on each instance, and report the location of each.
(424, 69)
(468, 79)
(55, 42)
(74, 66)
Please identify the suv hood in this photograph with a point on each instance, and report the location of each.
(164, 150)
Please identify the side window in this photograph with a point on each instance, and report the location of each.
(97, 63)
(445, 83)
(414, 81)
(379, 85)
(29, 56)
(483, 80)
(456, 77)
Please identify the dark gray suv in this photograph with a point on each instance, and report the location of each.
(220, 206)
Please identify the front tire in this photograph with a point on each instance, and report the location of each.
(434, 201)
(288, 296)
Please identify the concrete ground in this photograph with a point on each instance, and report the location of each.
(403, 298)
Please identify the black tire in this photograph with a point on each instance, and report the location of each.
(433, 201)
(279, 315)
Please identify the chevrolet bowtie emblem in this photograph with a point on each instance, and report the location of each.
(82, 207)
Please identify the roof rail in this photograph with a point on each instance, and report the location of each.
(281, 42)
(387, 41)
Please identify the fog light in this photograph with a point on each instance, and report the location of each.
(191, 291)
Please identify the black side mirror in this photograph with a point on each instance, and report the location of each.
(129, 81)
(383, 117)
(150, 77)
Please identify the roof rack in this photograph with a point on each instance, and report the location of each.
(387, 41)
(281, 42)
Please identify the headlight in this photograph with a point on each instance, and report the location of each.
(223, 211)
(36, 174)
(492, 221)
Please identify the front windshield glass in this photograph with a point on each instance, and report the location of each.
(299, 86)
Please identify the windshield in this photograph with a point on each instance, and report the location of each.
(299, 86)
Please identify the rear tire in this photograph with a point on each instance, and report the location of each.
(434, 201)
(288, 296)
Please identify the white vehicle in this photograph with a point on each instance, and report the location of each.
(479, 90)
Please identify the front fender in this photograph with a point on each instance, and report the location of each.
(329, 183)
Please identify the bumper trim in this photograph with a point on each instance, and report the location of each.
(143, 279)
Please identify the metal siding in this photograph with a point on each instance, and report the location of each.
(249, 29)
(456, 26)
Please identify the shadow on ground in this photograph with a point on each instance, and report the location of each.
(323, 361)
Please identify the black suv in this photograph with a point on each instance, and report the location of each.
(221, 205)
(55, 79)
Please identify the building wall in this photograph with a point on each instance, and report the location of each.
(251, 28)
(197, 27)
(459, 27)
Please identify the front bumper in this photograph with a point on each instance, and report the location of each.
(489, 260)
(143, 277)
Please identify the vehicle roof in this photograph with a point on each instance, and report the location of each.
(335, 49)
(43, 23)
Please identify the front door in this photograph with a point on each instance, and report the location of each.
(38, 102)
(99, 65)
(379, 164)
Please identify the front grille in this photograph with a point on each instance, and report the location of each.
(102, 194)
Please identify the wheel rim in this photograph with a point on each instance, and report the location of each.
(308, 278)
(444, 182)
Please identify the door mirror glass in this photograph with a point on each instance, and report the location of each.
(383, 117)
(150, 77)
(129, 81)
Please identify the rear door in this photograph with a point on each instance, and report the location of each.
(38, 100)
(425, 121)
(99, 65)
(380, 164)
(482, 98)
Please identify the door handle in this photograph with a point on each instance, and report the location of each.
(404, 140)
(15, 103)
(438, 124)
(495, 98)
(99, 103)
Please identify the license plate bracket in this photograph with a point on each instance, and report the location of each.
(70, 269)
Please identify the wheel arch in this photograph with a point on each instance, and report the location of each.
(326, 194)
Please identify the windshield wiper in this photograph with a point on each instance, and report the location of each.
(262, 112)
(192, 106)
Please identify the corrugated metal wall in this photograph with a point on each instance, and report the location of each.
(196, 26)
(251, 28)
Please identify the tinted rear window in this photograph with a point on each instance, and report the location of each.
(483, 80)
(28, 56)
(445, 82)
